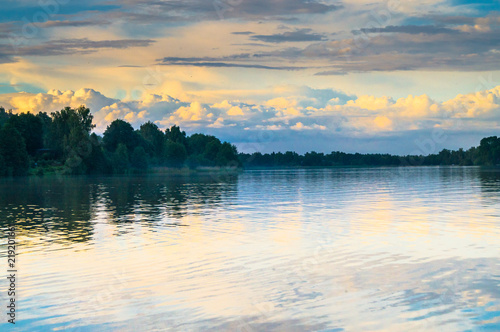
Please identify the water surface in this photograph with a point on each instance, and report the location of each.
(365, 249)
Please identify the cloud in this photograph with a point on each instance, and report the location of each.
(242, 33)
(68, 23)
(300, 126)
(235, 111)
(241, 9)
(411, 29)
(217, 63)
(371, 103)
(300, 110)
(55, 100)
(300, 35)
(9, 53)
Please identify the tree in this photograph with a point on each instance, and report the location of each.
(46, 127)
(3, 168)
(13, 151)
(176, 135)
(4, 116)
(175, 154)
(31, 129)
(97, 163)
(489, 150)
(120, 132)
(139, 159)
(227, 156)
(69, 127)
(120, 159)
(155, 139)
(212, 149)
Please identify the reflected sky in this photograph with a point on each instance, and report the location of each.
(378, 249)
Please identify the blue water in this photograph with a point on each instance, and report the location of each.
(364, 249)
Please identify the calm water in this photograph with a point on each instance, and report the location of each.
(384, 249)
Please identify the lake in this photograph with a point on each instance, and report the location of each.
(348, 249)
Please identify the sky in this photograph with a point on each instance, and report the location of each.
(403, 77)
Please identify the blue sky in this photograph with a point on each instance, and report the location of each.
(266, 75)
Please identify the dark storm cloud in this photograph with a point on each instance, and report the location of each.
(301, 35)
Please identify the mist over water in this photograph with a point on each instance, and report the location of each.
(375, 249)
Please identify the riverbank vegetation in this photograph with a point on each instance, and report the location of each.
(486, 154)
(63, 142)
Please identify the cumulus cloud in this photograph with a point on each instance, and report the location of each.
(55, 100)
(359, 117)
(301, 126)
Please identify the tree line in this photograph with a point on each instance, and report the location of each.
(64, 142)
(486, 154)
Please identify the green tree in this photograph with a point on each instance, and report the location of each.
(120, 132)
(13, 151)
(31, 129)
(97, 162)
(489, 150)
(4, 116)
(227, 156)
(212, 149)
(155, 139)
(175, 154)
(69, 127)
(139, 159)
(3, 168)
(120, 159)
(176, 135)
(46, 127)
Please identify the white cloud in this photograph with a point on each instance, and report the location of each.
(365, 115)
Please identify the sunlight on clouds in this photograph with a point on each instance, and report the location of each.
(235, 111)
(475, 105)
(415, 106)
(371, 103)
(383, 122)
(301, 126)
(360, 116)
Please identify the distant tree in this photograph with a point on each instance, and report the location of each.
(31, 129)
(175, 154)
(139, 159)
(120, 132)
(176, 135)
(13, 151)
